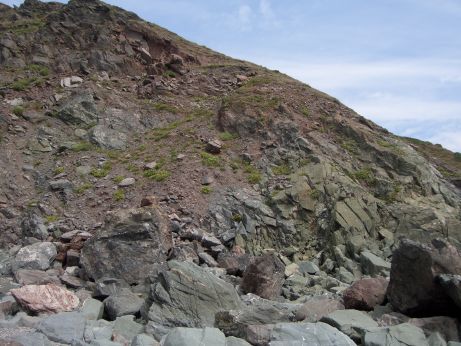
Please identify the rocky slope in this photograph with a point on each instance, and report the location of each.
(183, 188)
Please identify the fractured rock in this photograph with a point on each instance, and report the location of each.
(365, 294)
(36, 256)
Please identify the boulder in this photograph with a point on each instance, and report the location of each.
(365, 294)
(107, 138)
(36, 256)
(316, 308)
(308, 334)
(413, 288)
(189, 296)
(144, 340)
(451, 284)
(35, 277)
(353, 323)
(125, 329)
(45, 298)
(122, 303)
(33, 225)
(401, 335)
(233, 263)
(264, 276)
(29, 339)
(65, 327)
(214, 146)
(92, 309)
(78, 109)
(374, 265)
(446, 326)
(133, 245)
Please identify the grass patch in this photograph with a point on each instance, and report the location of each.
(305, 112)
(392, 197)
(163, 132)
(160, 106)
(119, 195)
(365, 175)
(103, 171)
(281, 170)
(118, 179)
(59, 170)
(351, 146)
(25, 83)
(18, 111)
(254, 175)
(210, 160)
(206, 190)
(237, 218)
(82, 188)
(51, 218)
(227, 136)
(457, 156)
(169, 74)
(41, 70)
(157, 174)
(82, 146)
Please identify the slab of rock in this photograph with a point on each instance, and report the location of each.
(401, 335)
(127, 182)
(65, 327)
(308, 267)
(132, 245)
(233, 263)
(107, 138)
(92, 309)
(189, 296)
(125, 329)
(45, 298)
(374, 265)
(264, 276)
(144, 340)
(214, 146)
(353, 323)
(413, 287)
(365, 294)
(316, 308)
(122, 303)
(78, 109)
(35, 277)
(71, 82)
(308, 334)
(36, 256)
(194, 337)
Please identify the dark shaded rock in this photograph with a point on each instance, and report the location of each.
(132, 245)
(365, 294)
(233, 263)
(106, 287)
(33, 225)
(446, 326)
(189, 296)
(452, 286)
(413, 288)
(78, 109)
(264, 276)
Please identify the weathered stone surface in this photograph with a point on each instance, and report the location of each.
(194, 337)
(374, 265)
(36, 256)
(122, 303)
(264, 276)
(30, 339)
(65, 327)
(132, 246)
(92, 309)
(78, 109)
(365, 294)
(353, 323)
(413, 288)
(401, 335)
(214, 146)
(127, 182)
(447, 326)
(452, 287)
(33, 225)
(126, 328)
(316, 308)
(107, 138)
(144, 340)
(35, 277)
(308, 334)
(234, 264)
(189, 296)
(45, 298)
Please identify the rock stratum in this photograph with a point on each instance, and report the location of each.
(153, 191)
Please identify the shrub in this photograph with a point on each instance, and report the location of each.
(227, 136)
(118, 179)
(103, 171)
(457, 156)
(82, 188)
(58, 170)
(281, 170)
(41, 70)
(119, 195)
(210, 160)
(207, 190)
(157, 174)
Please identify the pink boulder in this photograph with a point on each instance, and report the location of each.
(365, 294)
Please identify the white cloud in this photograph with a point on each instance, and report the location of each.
(449, 139)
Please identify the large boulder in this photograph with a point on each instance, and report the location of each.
(374, 265)
(401, 335)
(194, 337)
(413, 287)
(36, 256)
(264, 276)
(45, 298)
(365, 294)
(107, 138)
(65, 327)
(308, 334)
(188, 296)
(318, 307)
(123, 303)
(132, 246)
(78, 109)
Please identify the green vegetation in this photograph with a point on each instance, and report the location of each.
(160, 106)
(103, 171)
(82, 146)
(365, 175)
(315, 194)
(51, 219)
(237, 218)
(392, 197)
(25, 83)
(207, 190)
(210, 160)
(119, 195)
(118, 179)
(305, 111)
(351, 146)
(58, 170)
(18, 111)
(82, 188)
(457, 156)
(227, 136)
(163, 132)
(281, 170)
(157, 174)
(41, 70)
(169, 74)
(25, 26)
(254, 176)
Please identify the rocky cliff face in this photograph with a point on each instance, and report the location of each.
(101, 113)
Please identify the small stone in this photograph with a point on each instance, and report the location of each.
(150, 165)
(374, 265)
(207, 259)
(148, 201)
(72, 281)
(127, 182)
(291, 269)
(214, 146)
(307, 267)
(61, 184)
(207, 180)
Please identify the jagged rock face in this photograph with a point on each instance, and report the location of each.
(133, 246)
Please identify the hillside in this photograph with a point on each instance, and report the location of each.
(138, 151)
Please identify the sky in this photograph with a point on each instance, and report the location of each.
(396, 62)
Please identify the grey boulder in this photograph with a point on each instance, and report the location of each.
(36, 256)
(65, 327)
(200, 337)
(353, 323)
(400, 335)
(107, 138)
(123, 303)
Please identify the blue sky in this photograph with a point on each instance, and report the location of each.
(397, 62)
